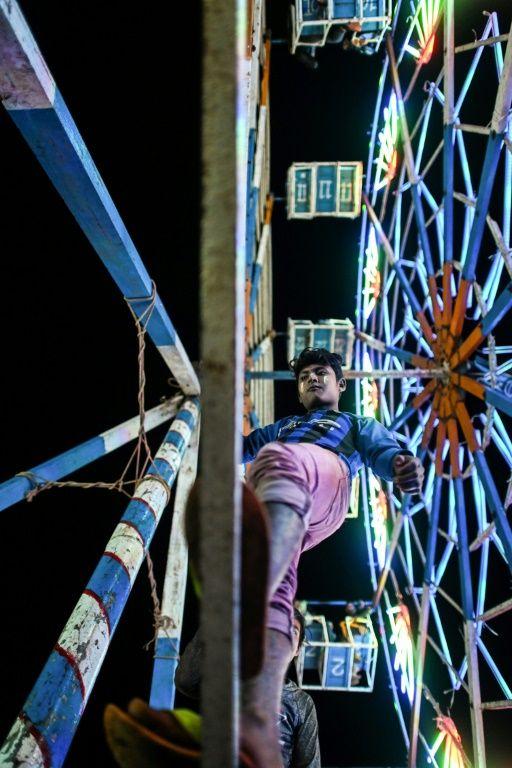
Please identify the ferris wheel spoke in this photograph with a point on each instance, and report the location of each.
(499, 309)
(492, 154)
(415, 184)
(498, 512)
(472, 67)
(494, 668)
(440, 444)
(404, 283)
(423, 619)
(419, 323)
(447, 298)
(430, 423)
(419, 361)
(491, 492)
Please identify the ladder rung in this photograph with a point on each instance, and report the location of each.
(505, 704)
(491, 613)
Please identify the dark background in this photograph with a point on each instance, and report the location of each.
(131, 79)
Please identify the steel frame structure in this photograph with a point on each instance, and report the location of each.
(42, 733)
(259, 331)
(433, 294)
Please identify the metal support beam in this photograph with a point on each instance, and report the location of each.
(42, 734)
(64, 464)
(406, 373)
(414, 181)
(33, 101)
(222, 353)
(470, 634)
(419, 665)
(167, 646)
(499, 125)
(448, 125)
(499, 515)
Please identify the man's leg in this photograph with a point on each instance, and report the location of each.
(288, 479)
(261, 695)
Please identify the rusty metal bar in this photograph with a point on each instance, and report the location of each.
(222, 272)
(479, 43)
(498, 610)
(506, 704)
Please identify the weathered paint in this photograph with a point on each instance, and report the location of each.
(175, 582)
(38, 110)
(60, 466)
(44, 730)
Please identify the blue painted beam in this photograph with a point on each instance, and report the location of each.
(493, 499)
(275, 375)
(43, 732)
(15, 489)
(498, 310)
(34, 103)
(402, 418)
(501, 399)
(466, 584)
(448, 157)
(492, 155)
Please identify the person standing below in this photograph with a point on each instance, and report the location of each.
(296, 718)
(301, 471)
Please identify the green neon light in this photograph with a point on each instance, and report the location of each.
(401, 638)
(424, 23)
(388, 159)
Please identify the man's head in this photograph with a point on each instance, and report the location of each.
(299, 632)
(319, 377)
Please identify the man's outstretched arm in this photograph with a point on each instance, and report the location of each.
(387, 458)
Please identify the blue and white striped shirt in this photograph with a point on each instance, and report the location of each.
(357, 440)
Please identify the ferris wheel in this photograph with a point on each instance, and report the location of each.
(434, 295)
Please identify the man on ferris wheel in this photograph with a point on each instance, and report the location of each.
(301, 471)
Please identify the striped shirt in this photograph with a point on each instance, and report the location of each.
(357, 440)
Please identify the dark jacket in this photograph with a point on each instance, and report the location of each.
(298, 724)
(357, 440)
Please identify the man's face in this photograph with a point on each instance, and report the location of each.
(295, 638)
(318, 387)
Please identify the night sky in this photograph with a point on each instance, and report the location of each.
(131, 79)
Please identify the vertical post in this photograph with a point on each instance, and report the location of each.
(167, 644)
(222, 339)
(448, 120)
(448, 154)
(499, 125)
(43, 731)
(423, 622)
(414, 180)
(470, 634)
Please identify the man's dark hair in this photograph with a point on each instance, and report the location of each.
(302, 621)
(320, 356)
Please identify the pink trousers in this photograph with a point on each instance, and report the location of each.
(316, 484)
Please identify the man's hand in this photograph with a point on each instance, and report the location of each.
(409, 473)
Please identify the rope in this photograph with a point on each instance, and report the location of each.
(40, 484)
(141, 455)
(160, 621)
